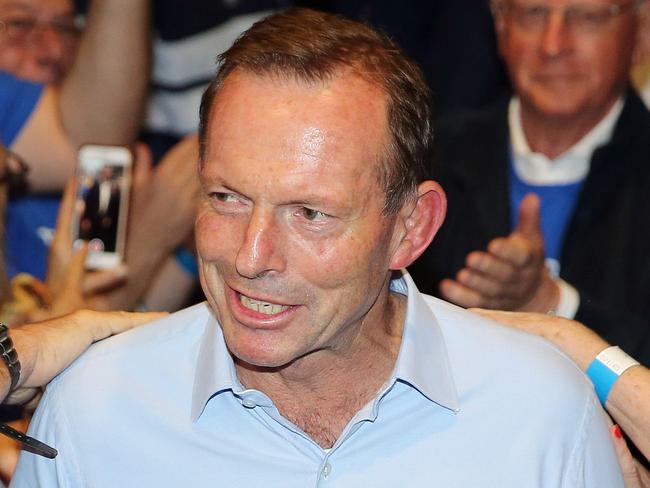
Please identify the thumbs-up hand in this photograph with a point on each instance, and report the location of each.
(510, 274)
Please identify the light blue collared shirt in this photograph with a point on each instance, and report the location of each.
(469, 404)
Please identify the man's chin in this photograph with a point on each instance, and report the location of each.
(258, 353)
(556, 104)
(260, 361)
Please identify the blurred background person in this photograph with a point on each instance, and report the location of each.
(574, 134)
(106, 84)
(38, 38)
(99, 99)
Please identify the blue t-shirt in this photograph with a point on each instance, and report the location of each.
(17, 101)
(30, 224)
(30, 219)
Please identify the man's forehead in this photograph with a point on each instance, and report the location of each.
(345, 108)
(292, 135)
(344, 83)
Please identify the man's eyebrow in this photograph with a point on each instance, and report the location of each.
(219, 182)
(311, 200)
(224, 187)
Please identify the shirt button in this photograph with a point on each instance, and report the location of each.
(248, 403)
(327, 469)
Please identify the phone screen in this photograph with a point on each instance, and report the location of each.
(103, 186)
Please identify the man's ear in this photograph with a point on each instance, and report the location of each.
(421, 222)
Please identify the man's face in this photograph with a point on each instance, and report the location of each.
(293, 246)
(37, 38)
(567, 64)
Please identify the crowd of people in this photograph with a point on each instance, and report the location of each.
(313, 185)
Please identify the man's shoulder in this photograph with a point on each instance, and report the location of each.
(178, 327)
(168, 341)
(635, 110)
(487, 355)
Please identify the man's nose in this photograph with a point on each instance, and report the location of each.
(261, 252)
(49, 43)
(555, 35)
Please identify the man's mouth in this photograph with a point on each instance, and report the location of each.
(267, 308)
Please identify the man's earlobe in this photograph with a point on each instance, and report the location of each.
(421, 223)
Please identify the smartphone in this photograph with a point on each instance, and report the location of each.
(102, 201)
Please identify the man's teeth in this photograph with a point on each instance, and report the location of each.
(262, 307)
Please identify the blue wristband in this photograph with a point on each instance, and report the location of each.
(603, 379)
(608, 366)
(187, 261)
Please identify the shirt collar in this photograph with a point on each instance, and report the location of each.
(215, 368)
(569, 167)
(422, 360)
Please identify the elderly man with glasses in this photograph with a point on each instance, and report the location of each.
(576, 136)
(38, 38)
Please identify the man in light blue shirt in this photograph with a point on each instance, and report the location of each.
(468, 404)
(314, 363)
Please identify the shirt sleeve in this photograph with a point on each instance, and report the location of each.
(593, 462)
(50, 425)
(18, 98)
(569, 300)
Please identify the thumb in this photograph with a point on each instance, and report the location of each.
(66, 212)
(529, 224)
(76, 268)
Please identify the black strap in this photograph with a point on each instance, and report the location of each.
(29, 443)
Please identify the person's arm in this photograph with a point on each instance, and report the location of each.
(99, 101)
(109, 78)
(629, 399)
(171, 288)
(46, 348)
(629, 404)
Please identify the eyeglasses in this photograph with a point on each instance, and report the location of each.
(25, 28)
(14, 171)
(580, 18)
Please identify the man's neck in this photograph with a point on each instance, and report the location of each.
(554, 135)
(322, 391)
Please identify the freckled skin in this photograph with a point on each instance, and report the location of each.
(276, 147)
(45, 57)
(560, 73)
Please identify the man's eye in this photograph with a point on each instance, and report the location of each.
(18, 26)
(586, 16)
(222, 197)
(532, 15)
(313, 215)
